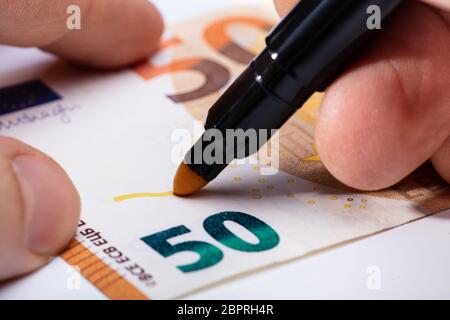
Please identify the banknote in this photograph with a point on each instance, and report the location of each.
(113, 133)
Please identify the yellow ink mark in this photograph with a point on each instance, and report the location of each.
(315, 157)
(291, 195)
(237, 179)
(333, 197)
(311, 202)
(291, 181)
(362, 207)
(142, 195)
(271, 187)
(364, 200)
(261, 180)
(347, 206)
(256, 190)
(256, 168)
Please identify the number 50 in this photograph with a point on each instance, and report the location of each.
(209, 254)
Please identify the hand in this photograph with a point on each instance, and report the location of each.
(39, 206)
(390, 111)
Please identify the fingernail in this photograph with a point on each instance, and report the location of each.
(49, 200)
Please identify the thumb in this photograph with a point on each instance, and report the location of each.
(283, 6)
(39, 208)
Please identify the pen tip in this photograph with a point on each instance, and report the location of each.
(187, 182)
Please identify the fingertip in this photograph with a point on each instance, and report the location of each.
(441, 160)
(344, 143)
(388, 114)
(361, 127)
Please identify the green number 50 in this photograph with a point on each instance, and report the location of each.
(210, 254)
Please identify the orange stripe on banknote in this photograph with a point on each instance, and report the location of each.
(100, 274)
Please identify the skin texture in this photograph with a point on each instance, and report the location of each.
(390, 111)
(40, 206)
(369, 136)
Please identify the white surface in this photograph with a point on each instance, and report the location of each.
(413, 259)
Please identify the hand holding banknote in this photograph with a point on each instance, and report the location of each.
(32, 231)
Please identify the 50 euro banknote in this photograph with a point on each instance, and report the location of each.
(113, 133)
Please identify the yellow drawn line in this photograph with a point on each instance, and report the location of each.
(142, 195)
